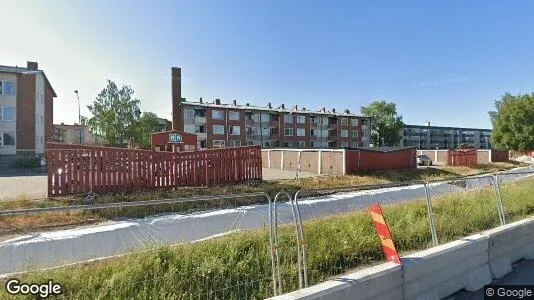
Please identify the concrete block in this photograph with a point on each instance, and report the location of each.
(443, 270)
(508, 244)
(379, 282)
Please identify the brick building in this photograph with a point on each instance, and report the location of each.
(26, 109)
(75, 134)
(232, 125)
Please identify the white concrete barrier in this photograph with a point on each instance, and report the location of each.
(441, 271)
(469, 263)
(508, 244)
(379, 282)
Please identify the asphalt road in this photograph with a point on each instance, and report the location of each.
(523, 274)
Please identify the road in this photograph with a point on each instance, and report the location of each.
(523, 273)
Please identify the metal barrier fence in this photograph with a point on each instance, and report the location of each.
(285, 263)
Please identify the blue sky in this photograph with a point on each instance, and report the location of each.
(440, 61)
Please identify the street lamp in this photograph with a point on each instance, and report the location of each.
(79, 117)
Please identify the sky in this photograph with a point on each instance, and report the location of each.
(440, 61)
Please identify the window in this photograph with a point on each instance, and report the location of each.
(344, 144)
(301, 119)
(274, 131)
(189, 128)
(42, 99)
(218, 129)
(200, 113)
(301, 132)
(316, 144)
(313, 120)
(301, 144)
(312, 132)
(189, 114)
(250, 143)
(234, 143)
(288, 118)
(42, 140)
(266, 118)
(7, 88)
(288, 132)
(42, 119)
(354, 144)
(234, 130)
(217, 114)
(354, 122)
(354, 133)
(7, 113)
(8, 139)
(201, 144)
(219, 143)
(325, 121)
(344, 133)
(266, 145)
(344, 122)
(248, 116)
(233, 116)
(248, 130)
(288, 144)
(200, 129)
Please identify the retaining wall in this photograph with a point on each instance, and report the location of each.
(469, 263)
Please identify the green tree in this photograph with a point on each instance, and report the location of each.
(140, 131)
(114, 112)
(513, 123)
(386, 124)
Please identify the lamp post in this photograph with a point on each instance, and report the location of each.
(79, 117)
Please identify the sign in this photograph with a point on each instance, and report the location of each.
(384, 234)
(175, 138)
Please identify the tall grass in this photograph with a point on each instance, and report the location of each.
(238, 266)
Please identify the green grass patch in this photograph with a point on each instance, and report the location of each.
(238, 266)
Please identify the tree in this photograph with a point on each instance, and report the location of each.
(140, 131)
(114, 112)
(386, 125)
(513, 123)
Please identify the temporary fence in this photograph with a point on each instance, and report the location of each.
(75, 169)
(294, 256)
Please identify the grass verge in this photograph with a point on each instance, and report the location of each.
(238, 266)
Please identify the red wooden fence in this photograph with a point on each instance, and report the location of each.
(75, 169)
(500, 155)
(462, 157)
(375, 160)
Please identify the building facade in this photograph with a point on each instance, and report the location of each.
(163, 125)
(438, 137)
(233, 125)
(26, 109)
(75, 134)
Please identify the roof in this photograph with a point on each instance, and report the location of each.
(26, 71)
(446, 128)
(251, 107)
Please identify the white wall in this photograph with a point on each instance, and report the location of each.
(39, 112)
(10, 126)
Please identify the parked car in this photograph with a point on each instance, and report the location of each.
(424, 160)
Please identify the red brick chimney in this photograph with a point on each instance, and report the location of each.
(177, 110)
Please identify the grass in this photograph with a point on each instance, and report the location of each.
(238, 266)
(24, 224)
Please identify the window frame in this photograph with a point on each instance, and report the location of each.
(344, 135)
(354, 122)
(217, 126)
(186, 111)
(344, 144)
(285, 132)
(233, 113)
(2, 118)
(301, 117)
(289, 119)
(352, 135)
(303, 130)
(222, 143)
(4, 140)
(213, 114)
(231, 129)
(345, 123)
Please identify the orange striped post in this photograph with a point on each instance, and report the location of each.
(383, 233)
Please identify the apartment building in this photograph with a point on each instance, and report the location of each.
(26, 109)
(163, 125)
(439, 137)
(231, 125)
(75, 134)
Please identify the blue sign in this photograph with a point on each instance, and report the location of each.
(175, 138)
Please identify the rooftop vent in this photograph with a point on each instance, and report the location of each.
(269, 105)
(248, 104)
(200, 99)
(235, 102)
(32, 65)
(283, 106)
(218, 101)
(333, 110)
(323, 109)
(347, 111)
(296, 107)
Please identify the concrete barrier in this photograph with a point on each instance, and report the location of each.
(441, 271)
(469, 263)
(508, 244)
(383, 281)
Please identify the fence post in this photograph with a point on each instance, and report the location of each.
(431, 220)
(500, 206)
(319, 162)
(269, 159)
(282, 159)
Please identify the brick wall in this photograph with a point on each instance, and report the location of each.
(25, 111)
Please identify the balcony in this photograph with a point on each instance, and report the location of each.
(201, 135)
(200, 120)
